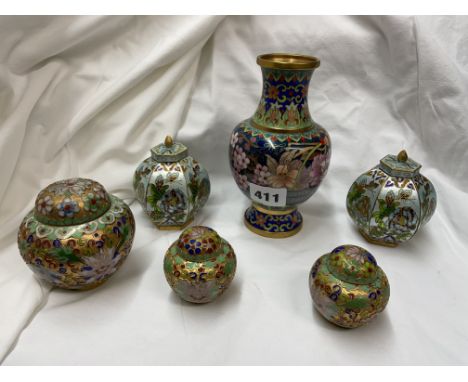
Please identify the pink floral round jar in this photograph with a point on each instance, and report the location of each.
(77, 235)
(280, 155)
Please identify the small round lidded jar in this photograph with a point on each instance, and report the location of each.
(200, 265)
(390, 202)
(348, 287)
(171, 186)
(77, 235)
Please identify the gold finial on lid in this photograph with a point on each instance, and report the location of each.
(168, 141)
(402, 156)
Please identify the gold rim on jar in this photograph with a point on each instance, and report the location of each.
(287, 61)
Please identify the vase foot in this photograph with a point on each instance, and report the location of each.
(275, 224)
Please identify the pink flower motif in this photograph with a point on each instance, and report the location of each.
(313, 175)
(356, 254)
(261, 174)
(234, 139)
(197, 232)
(44, 205)
(240, 159)
(99, 191)
(241, 181)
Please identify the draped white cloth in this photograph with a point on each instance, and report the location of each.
(89, 96)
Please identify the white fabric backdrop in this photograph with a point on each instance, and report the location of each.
(89, 96)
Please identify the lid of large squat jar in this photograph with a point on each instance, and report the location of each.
(169, 151)
(71, 201)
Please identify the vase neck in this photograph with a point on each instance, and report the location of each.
(283, 105)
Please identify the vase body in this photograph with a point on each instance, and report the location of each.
(279, 156)
(200, 265)
(171, 186)
(348, 287)
(77, 235)
(392, 201)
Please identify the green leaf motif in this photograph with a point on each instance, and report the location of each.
(194, 189)
(229, 267)
(385, 210)
(204, 189)
(157, 214)
(136, 179)
(65, 254)
(125, 233)
(156, 193)
(355, 193)
(167, 265)
(358, 303)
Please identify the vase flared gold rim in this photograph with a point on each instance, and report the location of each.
(287, 61)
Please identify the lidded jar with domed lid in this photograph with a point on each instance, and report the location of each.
(348, 287)
(200, 265)
(392, 201)
(171, 186)
(77, 235)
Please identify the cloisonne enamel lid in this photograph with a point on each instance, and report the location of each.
(399, 165)
(352, 264)
(200, 244)
(169, 151)
(71, 202)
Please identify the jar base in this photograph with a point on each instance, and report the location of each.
(377, 242)
(74, 288)
(174, 227)
(274, 224)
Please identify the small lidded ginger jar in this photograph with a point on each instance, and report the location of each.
(348, 287)
(77, 235)
(390, 202)
(171, 186)
(200, 265)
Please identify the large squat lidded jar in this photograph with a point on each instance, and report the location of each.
(77, 235)
(279, 156)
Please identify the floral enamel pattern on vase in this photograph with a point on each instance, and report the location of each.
(171, 186)
(280, 156)
(390, 202)
(77, 235)
(200, 265)
(348, 287)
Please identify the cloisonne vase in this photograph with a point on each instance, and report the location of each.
(77, 235)
(392, 201)
(200, 265)
(279, 156)
(171, 186)
(348, 287)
